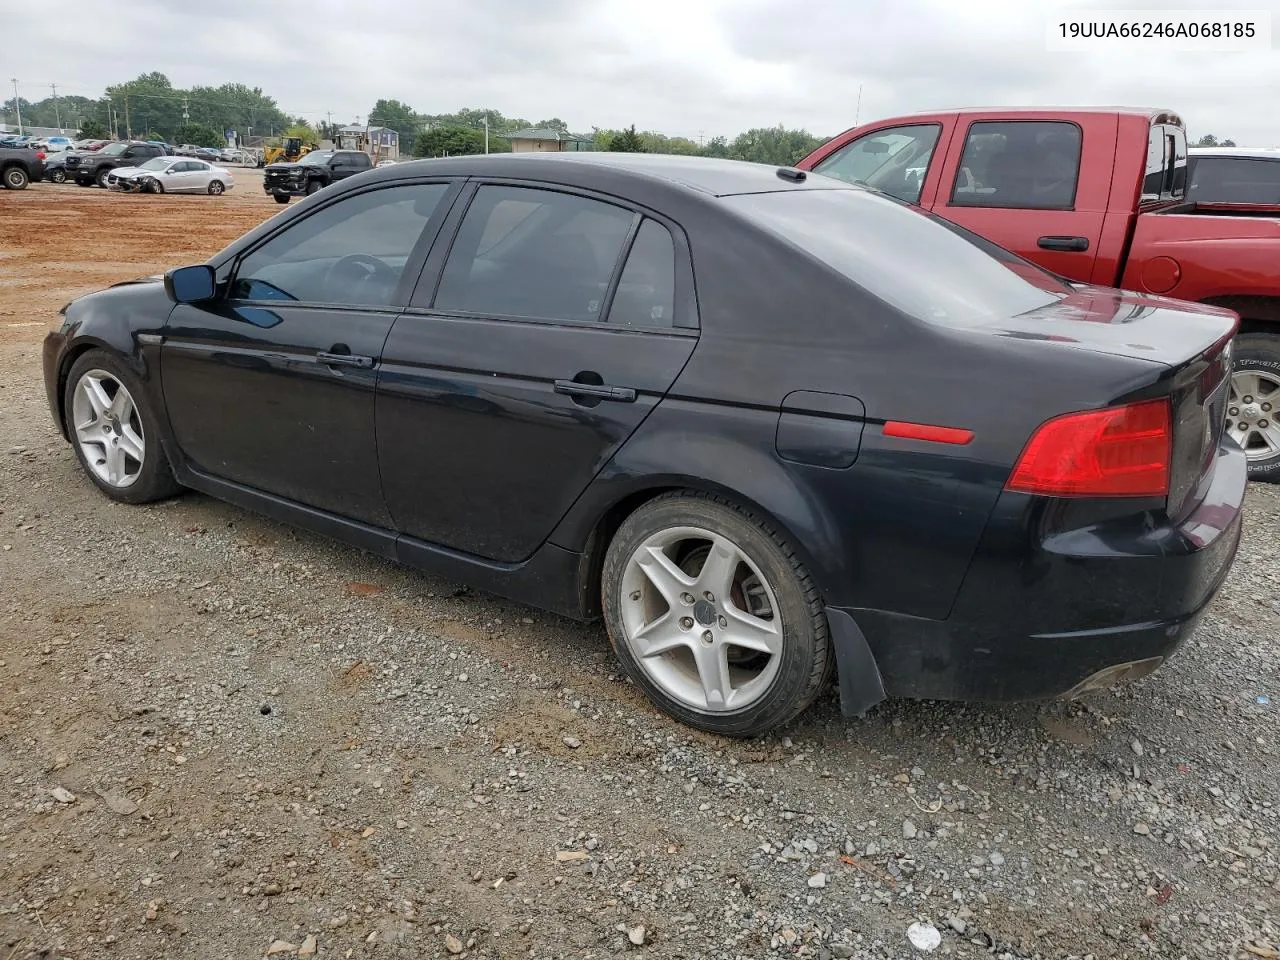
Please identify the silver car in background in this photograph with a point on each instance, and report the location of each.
(172, 175)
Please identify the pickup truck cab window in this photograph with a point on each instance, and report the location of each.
(1019, 165)
(893, 160)
(1166, 175)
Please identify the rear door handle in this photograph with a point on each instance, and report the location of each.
(595, 391)
(345, 360)
(1063, 243)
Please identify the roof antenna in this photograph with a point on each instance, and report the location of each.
(857, 111)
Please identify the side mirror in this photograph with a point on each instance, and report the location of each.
(190, 284)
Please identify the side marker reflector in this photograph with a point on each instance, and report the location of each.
(925, 431)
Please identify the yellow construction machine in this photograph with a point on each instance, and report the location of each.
(288, 150)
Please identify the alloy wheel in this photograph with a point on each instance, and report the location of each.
(108, 428)
(701, 620)
(1252, 409)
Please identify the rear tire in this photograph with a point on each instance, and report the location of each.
(15, 178)
(1255, 388)
(216, 188)
(282, 197)
(313, 187)
(672, 649)
(103, 434)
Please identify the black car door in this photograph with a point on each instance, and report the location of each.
(271, 385)
(559, 322)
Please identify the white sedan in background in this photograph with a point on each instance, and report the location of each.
(172, 175)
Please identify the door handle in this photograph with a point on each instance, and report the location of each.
(344, 360)
(595, 391)
(1063, 243)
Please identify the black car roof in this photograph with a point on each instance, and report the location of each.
(705, 175)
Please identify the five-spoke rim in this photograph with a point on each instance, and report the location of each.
(108, 428)
(1252, 409)
(701, 620)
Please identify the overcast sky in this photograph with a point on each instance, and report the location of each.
(683, 67)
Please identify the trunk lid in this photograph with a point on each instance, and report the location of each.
(1190, 341)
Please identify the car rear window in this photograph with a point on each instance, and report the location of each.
(926, 267)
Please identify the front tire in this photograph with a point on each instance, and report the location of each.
(281, 197)
(314, 187)
(58, 176)
(101, 178)
(114, 432)
(155, 186)
(1253, 406)
(15, 178)
(713, 615)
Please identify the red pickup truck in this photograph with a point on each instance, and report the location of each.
(1097, 196)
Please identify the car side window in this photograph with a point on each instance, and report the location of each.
(352, 252)
(523, 252)
(646, 293)
(197, 166)
(1019, 165)
(893, 161)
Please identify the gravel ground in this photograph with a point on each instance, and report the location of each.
(223, 738)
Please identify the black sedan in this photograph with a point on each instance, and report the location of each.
(764, 423)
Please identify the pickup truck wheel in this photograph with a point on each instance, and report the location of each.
(313, 187)
(15, 178)
(1253, 405)
(101, 178)
(281, 197)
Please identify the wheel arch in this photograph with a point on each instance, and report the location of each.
(1258, 314)
(591, 524)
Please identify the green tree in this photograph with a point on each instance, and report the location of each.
(776, 146)
(450, 140)
(199, 134)
(626, 141)
(555, 123)
(398, 116)
(93, 129)
(716, 147)
(1208, 140)
(300, 128)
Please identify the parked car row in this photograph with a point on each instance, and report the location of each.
(138, 166)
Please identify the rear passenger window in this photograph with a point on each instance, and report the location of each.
(522, 252)
(1019, 164)
(646, 292)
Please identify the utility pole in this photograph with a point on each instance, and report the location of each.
(57, 114)
(128, 130)
(17, 104)
(486, 133)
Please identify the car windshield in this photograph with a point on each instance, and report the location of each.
(114, 149)
(316, 158)
(158, 163)
(914, 261)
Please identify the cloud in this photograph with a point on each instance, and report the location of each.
(687, 67)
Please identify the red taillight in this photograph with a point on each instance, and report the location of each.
(1115, 452)
(40, 155)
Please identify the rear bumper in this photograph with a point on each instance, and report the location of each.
(1050, 615)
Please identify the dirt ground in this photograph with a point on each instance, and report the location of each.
(223, 738)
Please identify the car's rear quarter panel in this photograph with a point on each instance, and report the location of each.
(897, 529)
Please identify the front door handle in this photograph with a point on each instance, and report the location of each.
(595, 391)
(1070, 244)
(345, 360)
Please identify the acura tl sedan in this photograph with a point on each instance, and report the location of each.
(765, 424)
(172, 175)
